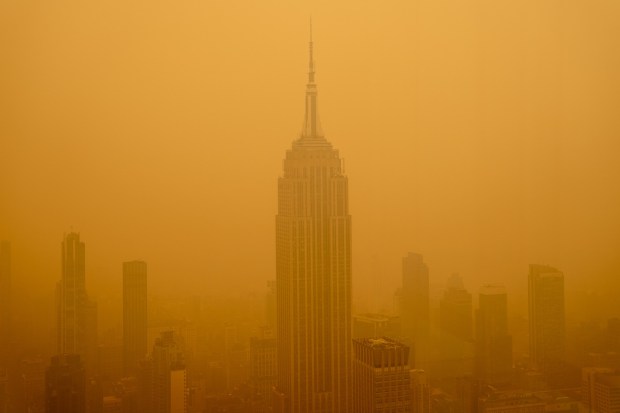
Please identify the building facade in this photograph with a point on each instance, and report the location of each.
(381, 376)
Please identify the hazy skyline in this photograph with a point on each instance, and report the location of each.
(481, 135)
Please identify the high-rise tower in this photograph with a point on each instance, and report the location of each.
(72, 297)
(313, 272)
(415, 307)
(76, 314)
(134, 315)
(546, 305)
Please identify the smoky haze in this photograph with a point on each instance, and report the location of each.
(481, 134)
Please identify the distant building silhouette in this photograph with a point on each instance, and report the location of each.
(547, 324)
(381, 376)
(313, 272)
(5, 303)
(415, 306)
(493, 343)
(169, 378)
(32, 383)
(455, 310)
(371, 325)
(65, 385)
(135, 325)
(76, 314)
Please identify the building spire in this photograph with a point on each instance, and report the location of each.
(312, 127)
(311, 61)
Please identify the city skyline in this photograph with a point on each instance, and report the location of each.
(468, 266)
(506, 176)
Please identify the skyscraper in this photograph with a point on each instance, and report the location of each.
(72, 297)
(381, 376)
(5, 302)
(65, 385)
(134, 316)
(415, 306)
(493, 343)
(76, 314)
(313, 272)
(546, 307)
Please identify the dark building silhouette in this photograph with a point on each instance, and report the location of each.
(547, 324)
(65, 385)
(493, 343)
(5, 303)
(135, 325)
(313, 272)
(381, 376)
(415, 306)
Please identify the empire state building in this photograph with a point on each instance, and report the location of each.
(313, 272)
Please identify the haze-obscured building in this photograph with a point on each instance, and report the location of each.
(135, 325)
(493, 343)
(547, 319)
(65, 385)
(415, 307)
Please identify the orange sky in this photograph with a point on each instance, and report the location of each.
(484, 135)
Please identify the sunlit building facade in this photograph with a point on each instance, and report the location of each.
(313, 273)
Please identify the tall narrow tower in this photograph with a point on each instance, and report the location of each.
(72, 297)
(134, 315)
(76, 314)
(415, 307)
(547, 330)
(313, 272)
